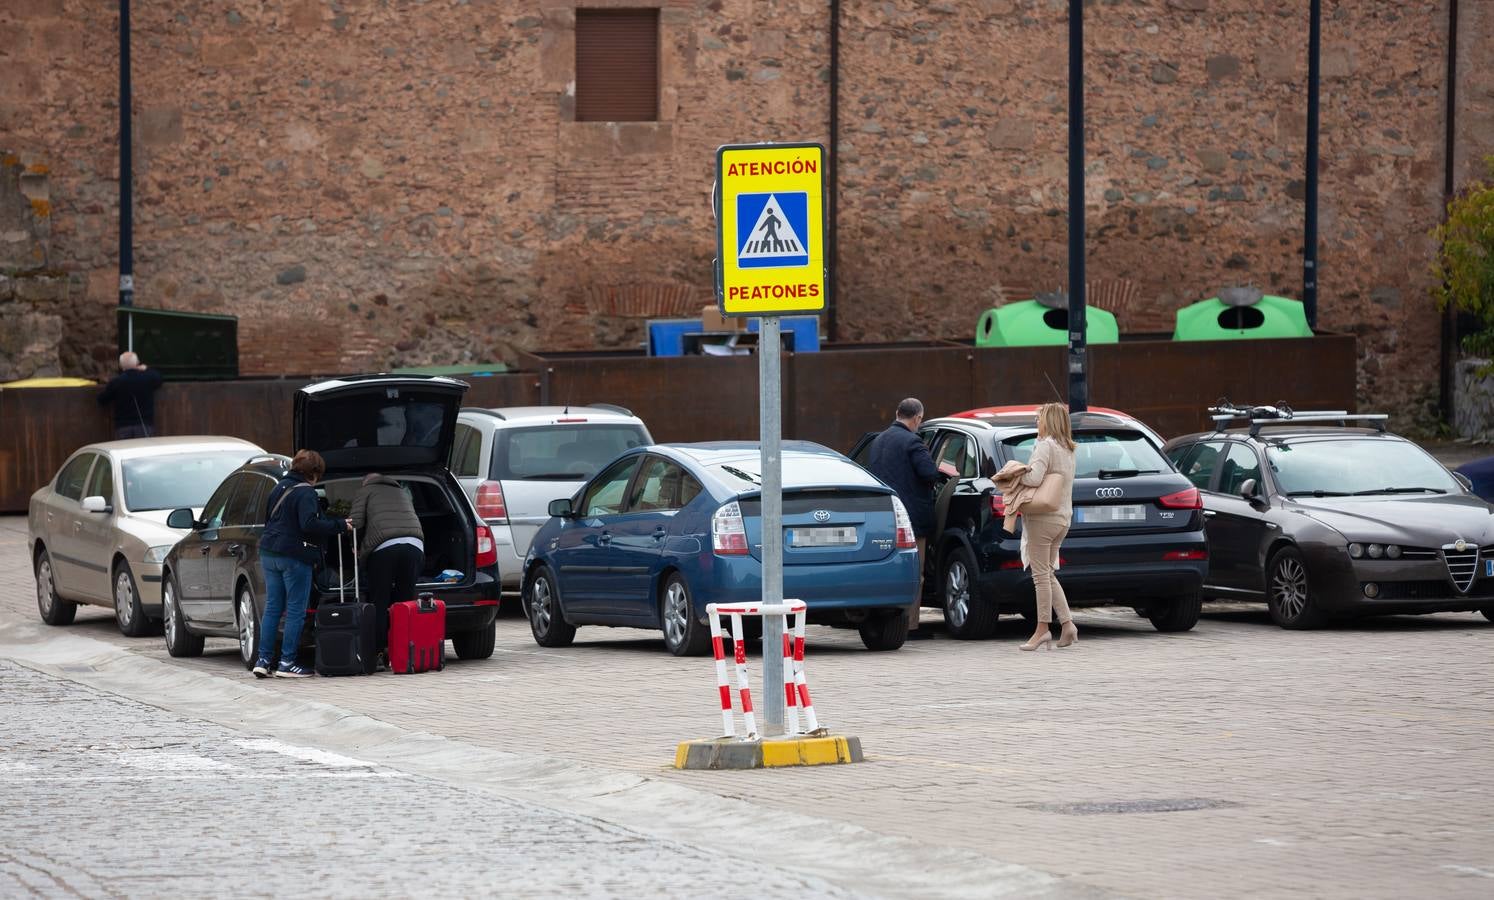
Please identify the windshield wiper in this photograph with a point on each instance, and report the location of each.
(1125, 473)
(1317, 493)
(745, 476)
(1401, 490)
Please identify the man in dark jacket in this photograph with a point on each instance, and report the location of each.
(900, 459)
(288, 554)
(393, 544)
(133, 393)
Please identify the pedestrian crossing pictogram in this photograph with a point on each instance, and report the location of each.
(771, 230)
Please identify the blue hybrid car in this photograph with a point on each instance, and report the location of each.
(666, 529)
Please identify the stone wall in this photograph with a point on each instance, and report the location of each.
(367, 183)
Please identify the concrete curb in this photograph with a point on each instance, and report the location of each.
(726, 753)
(836, 852)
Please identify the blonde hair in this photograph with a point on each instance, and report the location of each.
(1054, 418)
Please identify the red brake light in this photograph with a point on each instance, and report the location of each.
(1012, 564)
(728, 531)
(1185, 555)
(998, 505)
(568, 421)
(487, 548)
(906, 540)
(490, 502)
(1188, 498)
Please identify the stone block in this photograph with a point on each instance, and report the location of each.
(228, 52)
(160, 126)
(29, 343)
(1280, 65)
(41, 288)
(1221, 67)
(1012, 133)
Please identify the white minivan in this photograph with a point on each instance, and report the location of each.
(513, 461)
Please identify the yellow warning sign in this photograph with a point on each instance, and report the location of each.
(770, 229)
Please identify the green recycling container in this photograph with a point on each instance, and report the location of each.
(1214, 320)
(1029, 323)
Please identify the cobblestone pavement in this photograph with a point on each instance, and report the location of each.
(109, 797)
(1237, 760)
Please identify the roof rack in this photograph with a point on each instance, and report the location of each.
(613, 407)
(1282, 415)
(267, 457)
(484, 412)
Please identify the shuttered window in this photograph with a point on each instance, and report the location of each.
(617, 65)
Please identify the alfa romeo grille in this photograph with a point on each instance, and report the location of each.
(1462, 565)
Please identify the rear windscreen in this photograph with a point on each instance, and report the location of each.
(798, 503)
(1101, 452)
(560, 452)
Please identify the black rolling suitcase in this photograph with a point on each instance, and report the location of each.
(345, 631)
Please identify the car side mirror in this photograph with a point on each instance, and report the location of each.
(96, 505)
(561, 508)
(181, 518)
(1464, 480)
(1250, 490)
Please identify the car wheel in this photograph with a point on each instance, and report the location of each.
(885, 632)
(1287, 595)
(129, 615)
(683, 633)
(54, 610)
(477, 644)
(968, 614)
(1177, 614)
(248, 622)
(546, 619)
(179, 641)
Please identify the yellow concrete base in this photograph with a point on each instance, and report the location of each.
(730, 753)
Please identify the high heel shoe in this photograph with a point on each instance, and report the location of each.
(1046, 642)
(1069, 636)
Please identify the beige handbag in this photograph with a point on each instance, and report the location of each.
(1048, 497)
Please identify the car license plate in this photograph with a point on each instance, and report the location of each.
(822, 537)
(1129, 513)
(1489, 568)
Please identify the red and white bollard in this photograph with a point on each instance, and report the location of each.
(795, 688)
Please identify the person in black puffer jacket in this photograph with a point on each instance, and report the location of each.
(287, 558)
(900, 459)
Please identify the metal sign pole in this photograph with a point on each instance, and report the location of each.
(770, 416)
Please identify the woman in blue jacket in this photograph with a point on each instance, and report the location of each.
(287, 554)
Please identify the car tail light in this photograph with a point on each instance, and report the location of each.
(1188, 498)
(487, 548)
(998, 505)
(1012, 564)
(490, 502)
(905, 537)
(1185, 555)
(728, 532)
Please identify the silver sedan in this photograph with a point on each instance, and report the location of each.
(98, 532)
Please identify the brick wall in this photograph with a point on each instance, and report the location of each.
(369, 183)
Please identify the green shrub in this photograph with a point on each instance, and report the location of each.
(1465, 262)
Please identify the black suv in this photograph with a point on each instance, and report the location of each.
(1137, 536)
(401, 426)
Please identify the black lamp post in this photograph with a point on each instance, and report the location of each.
(1078, 364)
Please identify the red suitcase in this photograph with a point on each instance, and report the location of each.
(417, 635)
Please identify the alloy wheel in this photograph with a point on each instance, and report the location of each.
(248, 629)
(1289, 586)
(124, 598)
(676, 613)
(46, 595)
(957, 594)
(168, 607)
(541, 607)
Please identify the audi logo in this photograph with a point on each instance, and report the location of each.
(822, 515)
(1109, 493)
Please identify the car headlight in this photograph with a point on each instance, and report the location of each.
(1356, 550)
(1375, 551)
(158, 554)
(1393, 551)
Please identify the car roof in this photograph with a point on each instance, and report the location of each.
(712, 452)
(1016, 419)
(136, 448)
(335, 384)
(819, 465)
(1030, 409)
(528, 415)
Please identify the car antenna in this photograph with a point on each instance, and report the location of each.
(1054, 387)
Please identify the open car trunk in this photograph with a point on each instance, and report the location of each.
(448, 536)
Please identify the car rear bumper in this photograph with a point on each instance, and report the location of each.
(510, 557)
(829, 590)
(468, 608)
(1116, 569)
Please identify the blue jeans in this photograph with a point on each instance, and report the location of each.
(287, 592)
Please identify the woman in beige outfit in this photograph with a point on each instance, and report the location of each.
(1043, 532)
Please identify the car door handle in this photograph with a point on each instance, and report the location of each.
(604, 538)
(235, 549)
(205, 549)
(1208, 514)
(660, 534)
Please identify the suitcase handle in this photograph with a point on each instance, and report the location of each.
(427, 602)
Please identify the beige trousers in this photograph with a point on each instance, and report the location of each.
(1045, 534)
